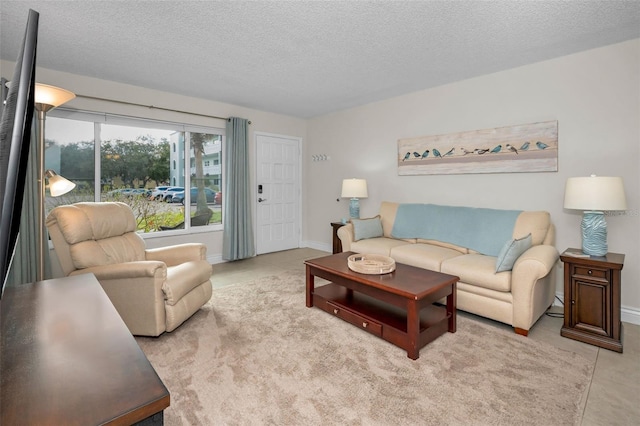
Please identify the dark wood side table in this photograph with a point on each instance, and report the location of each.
(592, 299)
(69, 359)
(337, 244)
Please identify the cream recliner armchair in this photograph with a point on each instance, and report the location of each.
(153, 290)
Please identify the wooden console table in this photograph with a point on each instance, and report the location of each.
(69, 359)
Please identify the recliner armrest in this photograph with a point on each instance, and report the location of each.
(135, 289)
(183, 278)
(131, 270)
(177, 254)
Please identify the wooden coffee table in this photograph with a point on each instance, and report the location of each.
(397, 307)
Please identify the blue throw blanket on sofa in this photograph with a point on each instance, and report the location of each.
(480, 229)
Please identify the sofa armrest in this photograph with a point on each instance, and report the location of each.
(345, 233)
(177, 254)
(533, 284)
(535, 263)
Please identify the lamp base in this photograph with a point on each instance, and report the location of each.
(354, 208)
(594, 234)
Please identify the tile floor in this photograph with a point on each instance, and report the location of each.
(613, 397)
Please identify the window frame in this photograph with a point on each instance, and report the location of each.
(99, 118)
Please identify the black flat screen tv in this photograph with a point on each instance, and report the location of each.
(15, 137)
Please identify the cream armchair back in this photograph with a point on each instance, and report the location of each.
(153, 290)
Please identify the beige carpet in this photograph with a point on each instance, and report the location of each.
(256, 355)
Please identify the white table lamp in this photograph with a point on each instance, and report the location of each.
(594, 195)
(354, 189)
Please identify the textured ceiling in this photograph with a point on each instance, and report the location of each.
(308, 58)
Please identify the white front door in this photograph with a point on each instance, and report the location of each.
(278, 192)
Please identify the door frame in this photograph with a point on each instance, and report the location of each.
(298, 140)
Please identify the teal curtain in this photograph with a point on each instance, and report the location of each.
(25, 259)
(237, 242)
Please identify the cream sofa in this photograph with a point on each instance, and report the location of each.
(153, 290)
(517, 297)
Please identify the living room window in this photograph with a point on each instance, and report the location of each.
(167, 172)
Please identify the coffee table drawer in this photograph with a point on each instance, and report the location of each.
(355, 318)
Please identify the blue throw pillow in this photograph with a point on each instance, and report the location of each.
(510, 252)
(366, 228)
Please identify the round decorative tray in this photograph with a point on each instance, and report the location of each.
(372, 264)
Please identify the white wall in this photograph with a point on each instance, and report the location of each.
(594, 96)
(261, 122)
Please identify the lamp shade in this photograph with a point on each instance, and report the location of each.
(49, 97)
(354, 188)
(57, 184)
(595, 193)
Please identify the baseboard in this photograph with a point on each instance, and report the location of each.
(317, 245)
(216, 258)
(627, 314)
(630, 315)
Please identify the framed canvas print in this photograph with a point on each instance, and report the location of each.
(522, 148)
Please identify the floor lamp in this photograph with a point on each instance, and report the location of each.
(47, 98)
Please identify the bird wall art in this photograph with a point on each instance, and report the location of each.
(521, 148)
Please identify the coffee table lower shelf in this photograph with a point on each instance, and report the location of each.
(382, 319)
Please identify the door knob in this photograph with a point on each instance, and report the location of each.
(261, 200)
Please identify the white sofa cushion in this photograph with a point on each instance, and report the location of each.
(478, 269)
(462, 250)
(380, 245)
(423, 255)
(502, 296)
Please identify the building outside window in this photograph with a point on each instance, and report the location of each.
(124, 159)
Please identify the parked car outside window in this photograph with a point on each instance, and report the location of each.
(128, 192)
(178, 197)
(155, 194)
(168, 193)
